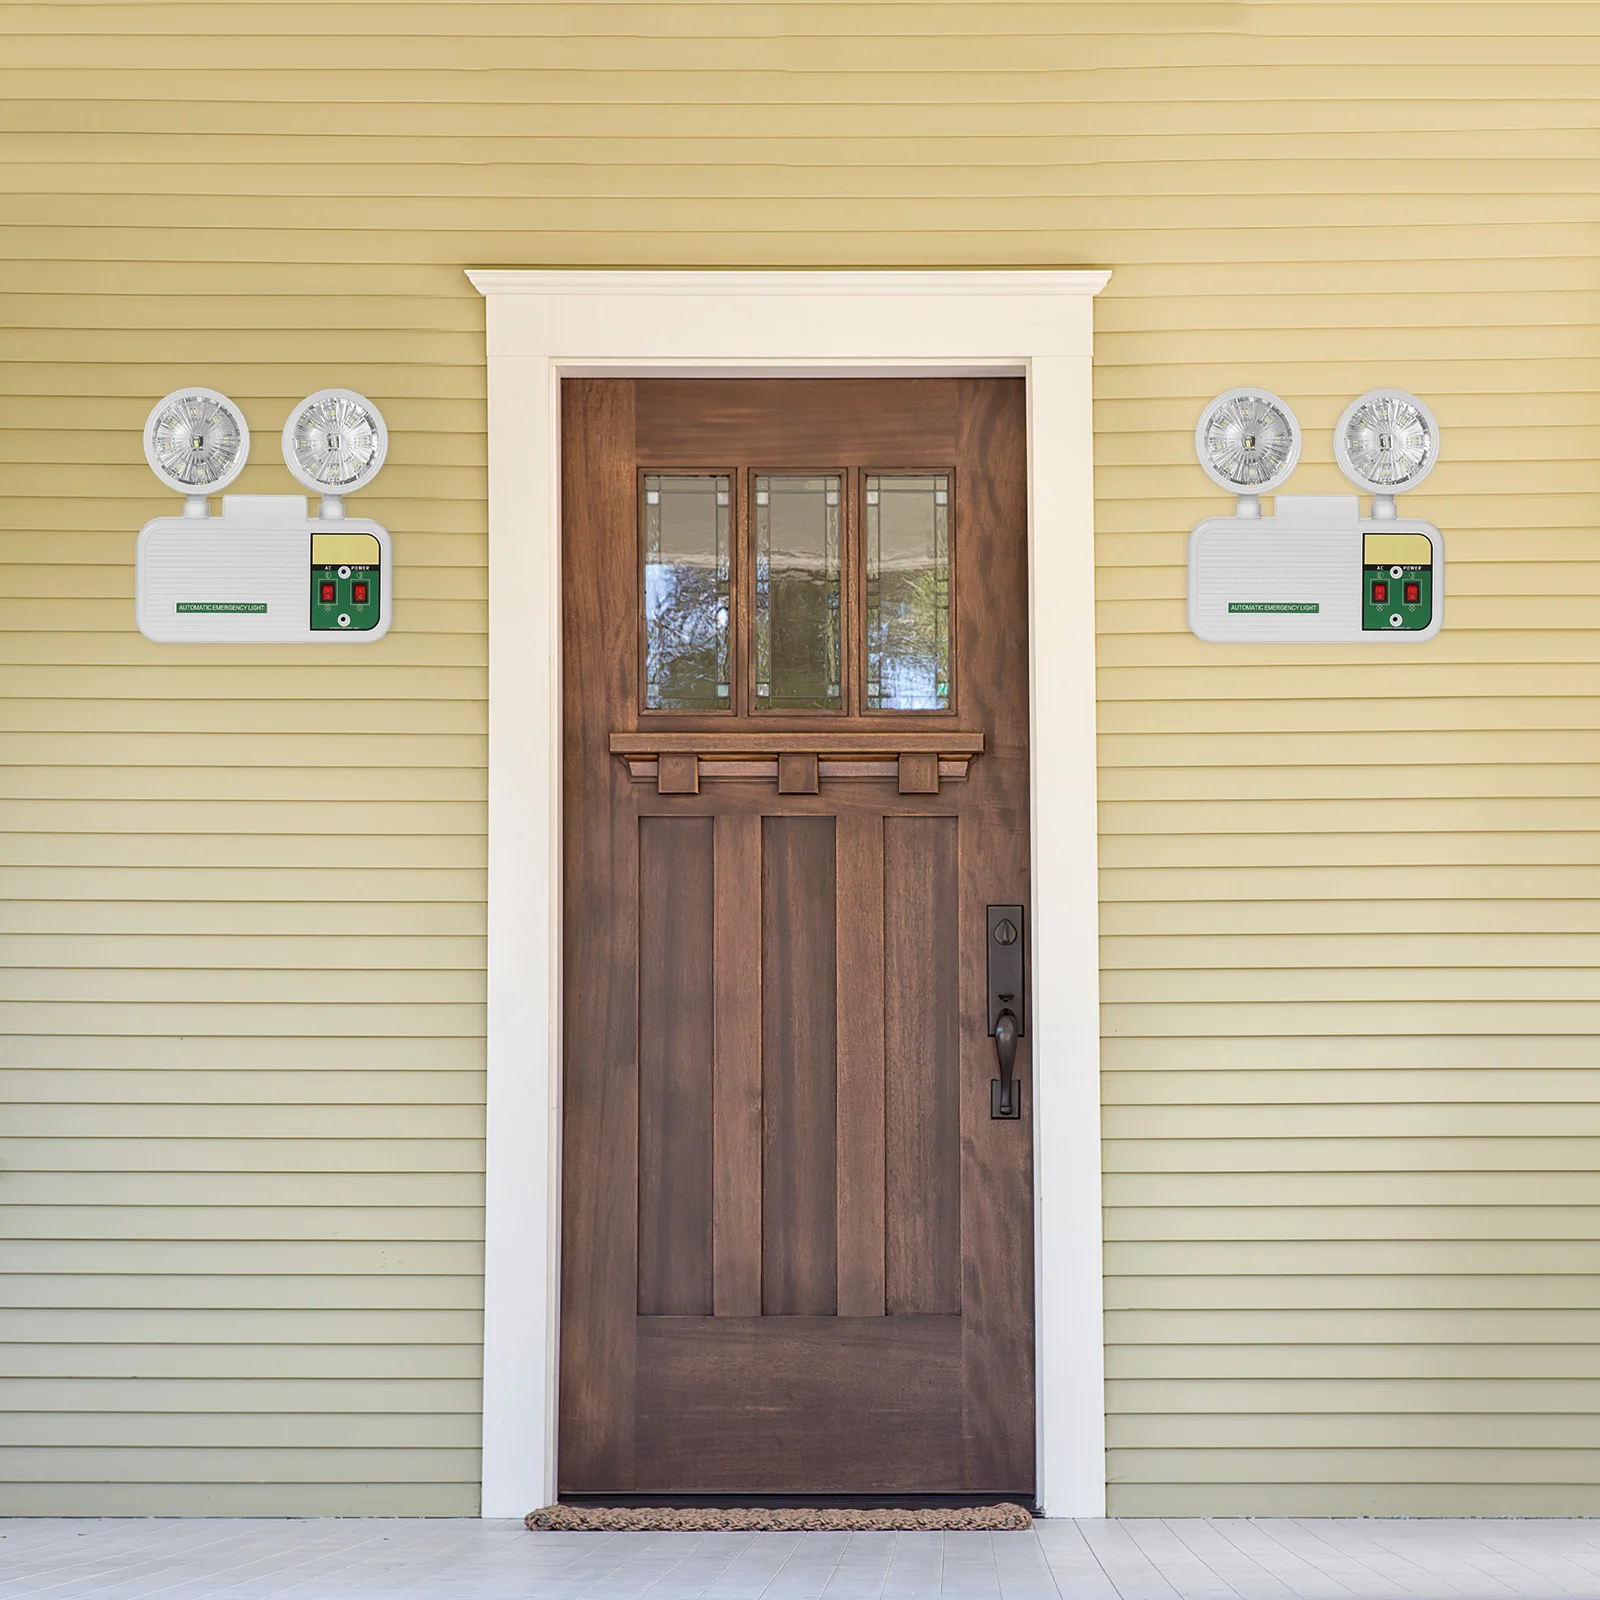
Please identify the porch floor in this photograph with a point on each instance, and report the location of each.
(332, 1559)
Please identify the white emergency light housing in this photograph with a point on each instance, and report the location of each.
(1317, 571)
(266, 571)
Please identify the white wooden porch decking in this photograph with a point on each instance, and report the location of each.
(232, 1559)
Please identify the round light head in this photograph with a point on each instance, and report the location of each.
(335, 441)
(196, 441)
(1248, 441)
(1387, 441)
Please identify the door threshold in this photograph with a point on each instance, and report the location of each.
(804, 1502)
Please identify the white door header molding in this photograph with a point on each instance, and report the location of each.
(542, 326)
(998, 319)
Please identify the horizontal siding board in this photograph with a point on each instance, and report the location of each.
(155, 1463)
(139, 1286)
(296, 1257)
(278, 1367)
(258, 1122)
(181, 1323)
(241, 1054)
(1139, 1494)
(304, 1091)
(1490, 1465)
(376, 1399)
(372, 953)
(209, 1155)
(1353, 1430)
(1430, 1227)
(1330, 1325)
(1370, 1361)
(1374, 1260)
(67, 1187)
(237, 1433)
(1293, 1187)
(1390, 1124)
(204, 1497)
(1416, 1399)
(237, 1228)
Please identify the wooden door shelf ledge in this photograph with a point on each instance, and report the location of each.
(798, 762)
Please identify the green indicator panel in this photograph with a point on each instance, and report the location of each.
(346, 574)
(1397, 583)
(1396, 598)
(344, 599)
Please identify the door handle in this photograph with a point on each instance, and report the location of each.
(1007, 1010)
(1005, 1097)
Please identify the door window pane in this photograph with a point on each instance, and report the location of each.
(686, 520)
(797, 522)
(908, 592)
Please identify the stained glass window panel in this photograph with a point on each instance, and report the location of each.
(907, 527)
(686, 630)
(797, 593)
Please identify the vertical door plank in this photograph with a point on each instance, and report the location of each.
(676, 1030)
(736, 1116)
(997, 1156)
(922, 1071)
(600, 1109)
(861, 999)
(799, 1068)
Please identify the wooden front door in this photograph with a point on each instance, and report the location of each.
(797, 1246)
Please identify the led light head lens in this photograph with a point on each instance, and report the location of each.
(1387, 441)
(1248, 441)
(196, 441)
(335, 441)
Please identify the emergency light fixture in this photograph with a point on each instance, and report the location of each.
(1316, 570)
(1248, 441)
(196, 442)
(335, 442)
(265, 571)
(1386, 442)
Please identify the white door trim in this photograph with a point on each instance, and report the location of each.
(542, 326)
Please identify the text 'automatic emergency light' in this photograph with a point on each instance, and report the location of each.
(1316, 570)
(265, 571)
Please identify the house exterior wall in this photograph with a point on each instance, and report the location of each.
(1348, 893)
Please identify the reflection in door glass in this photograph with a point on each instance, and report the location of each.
(797, 593)
(686, 521)
(908, 592)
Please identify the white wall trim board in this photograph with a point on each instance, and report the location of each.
(542, 326)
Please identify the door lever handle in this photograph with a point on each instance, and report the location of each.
(1008, 1007)
(1006, 1103)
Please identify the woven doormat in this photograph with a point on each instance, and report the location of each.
(770, 1519)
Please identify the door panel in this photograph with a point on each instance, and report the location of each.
(677, 1028)
(799, 1264)
(797, 1251)
(922, 1097)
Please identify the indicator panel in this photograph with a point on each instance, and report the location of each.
(345, 582)
(1397, 583)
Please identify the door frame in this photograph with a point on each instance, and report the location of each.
(544, 325)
